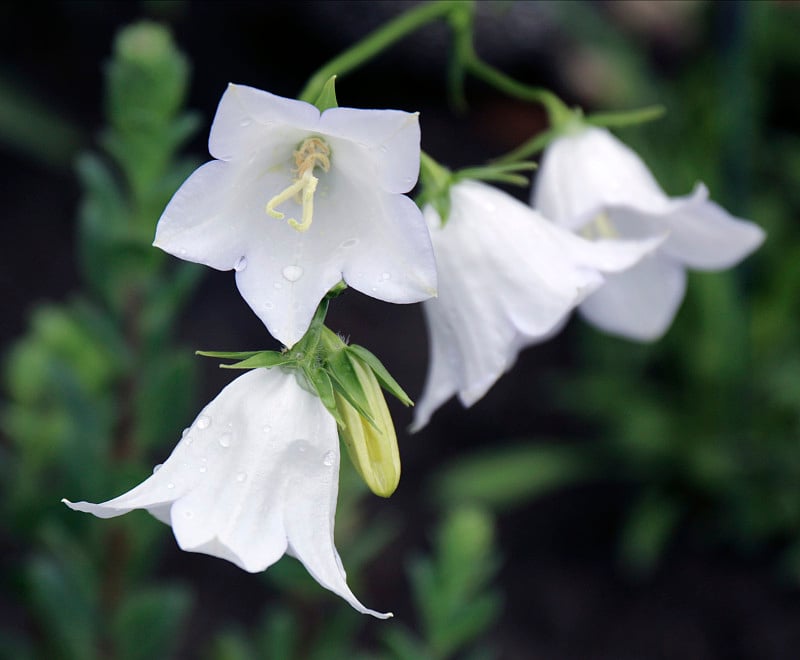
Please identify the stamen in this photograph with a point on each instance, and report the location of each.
(313, 152)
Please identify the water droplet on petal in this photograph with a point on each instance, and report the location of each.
(203, 468)
(225, 440)
(240, 265)
(182, 251)
(293, 273)
(301, 445)
(268, 305)
(329, 458)
(241, 476)
(203, 422)
(350, 242)
(156, 468)
(245, 122)
(170, 485)
(185, 432)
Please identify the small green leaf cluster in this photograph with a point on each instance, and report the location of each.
(97, 383)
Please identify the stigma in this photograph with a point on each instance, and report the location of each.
(312, 152)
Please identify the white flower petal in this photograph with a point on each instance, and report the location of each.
(387, 142)
(639, 303)
(507, 279)
(248, 118)
(705, 236)
(256, 476)
(586, 172)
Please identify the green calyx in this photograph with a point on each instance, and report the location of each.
(437, 180)
(349, 380)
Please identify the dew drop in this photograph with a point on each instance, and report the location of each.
(225, 440)
(240, 265)
(156, 468)
(241, 476)
(373, 289)
(293, 273)
(268, 305)
(301, 445)
(203, 468)
(182, 251)
(170, 485)
(245, 122)
(350, 242)
(185, 432)
(329, 458)
(267, 428)
(203, 422)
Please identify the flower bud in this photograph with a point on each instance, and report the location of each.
(372, 447)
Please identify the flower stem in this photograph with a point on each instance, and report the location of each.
(375, 43)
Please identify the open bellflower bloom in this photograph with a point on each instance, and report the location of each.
(508, 278)
(298, 200)
(254, 477)
(591, 183)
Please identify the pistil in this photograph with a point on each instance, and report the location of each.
(313, 152)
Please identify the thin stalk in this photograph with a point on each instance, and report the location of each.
(375, 43)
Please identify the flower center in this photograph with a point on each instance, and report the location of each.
(601, 227)
(313, 152)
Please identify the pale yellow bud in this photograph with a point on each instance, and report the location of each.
(373, 449)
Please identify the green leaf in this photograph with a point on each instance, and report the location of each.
(265, 359)
(647, 531)
(327, 97)
(148, 623)
(66, 607)
(386, 380)
(509, 476)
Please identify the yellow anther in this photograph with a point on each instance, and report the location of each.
(313, 152)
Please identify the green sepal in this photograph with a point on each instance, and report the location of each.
(501, 172)
(529, 148)
(628, 117)
(228, 355)
(327, 97)
(435, 180)
(264, 359)
(381, 373)
(250, 359)
(323, 386)
(345, 381)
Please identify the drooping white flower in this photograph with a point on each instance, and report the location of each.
(591, 183)
(508, 278)
(254, 477)
(298, 200)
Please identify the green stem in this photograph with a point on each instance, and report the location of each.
(462, 24)
(375, 43)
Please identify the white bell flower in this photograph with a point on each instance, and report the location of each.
(298, 200)
(593, 184)
(508, 278)
(254, 477)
